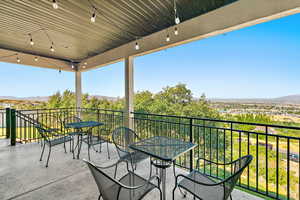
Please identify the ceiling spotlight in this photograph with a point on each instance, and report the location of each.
(83, 66)
(137, 47)
(54, 4)
(36, 59)
(85, 63)
(31, 42)
(72, 66)
(176, 31)
(93, 18)
(18, 59)
(168, 38)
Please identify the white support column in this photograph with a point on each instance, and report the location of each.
(129, 92)
(78, 89)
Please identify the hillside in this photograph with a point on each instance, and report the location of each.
(45, 98)
(291, 99)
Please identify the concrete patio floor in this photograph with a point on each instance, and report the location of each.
(23, 176)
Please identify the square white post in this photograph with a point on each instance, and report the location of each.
(78, 91)
(129, 92)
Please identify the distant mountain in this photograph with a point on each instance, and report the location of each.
(290, 99)
(45, 98)
(37, 98)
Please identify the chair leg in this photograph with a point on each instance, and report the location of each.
(150, 168)
(107, 150)
(48, 156)
(100, 149)
(116, 171)
(73, 151)
(160, 194)
(71, 144)
(99, 197)
(89, 152)
(42, 151)
(173, 195)
(184, 193)
(65, 147)
(230, 197)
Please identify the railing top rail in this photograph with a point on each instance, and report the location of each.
(232, 122)
(220, 120)
(220, 128)
(45, 109)
(73, 108)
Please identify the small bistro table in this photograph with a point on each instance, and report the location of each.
(164, 149)
(79, 126)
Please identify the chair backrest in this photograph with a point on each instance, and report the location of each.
(42, 131)
(49, 121)
(108, 187)
(122, 137)
(239, 166)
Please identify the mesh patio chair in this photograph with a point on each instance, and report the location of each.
(204, 187)
(129, 187)
(46, 135)
(51, 123)
(122, 137)
(95, 139)
(70, 131)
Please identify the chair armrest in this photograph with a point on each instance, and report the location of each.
(108, 166)
(195, 181)
(212, 162)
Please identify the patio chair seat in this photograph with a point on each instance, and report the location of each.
(203, 192)
(135, 181)
(74, 133)
(130, 186)
(93, 140)
(60, 140)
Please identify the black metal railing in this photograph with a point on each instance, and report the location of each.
(274, 171)
(53, 118)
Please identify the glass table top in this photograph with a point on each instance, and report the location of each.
(85, 124)
(163, 148)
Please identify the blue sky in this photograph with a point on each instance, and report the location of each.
(259, 61)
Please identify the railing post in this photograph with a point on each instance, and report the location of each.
(7, 117)
(13, 129)
(191, 140)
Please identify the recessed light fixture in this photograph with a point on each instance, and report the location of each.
(93, 18)
(176, 31)
(137, 46)
(54, 4)
(168, 38)
(31, 42)
(52, 48)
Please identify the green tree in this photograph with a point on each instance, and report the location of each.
(54, 101)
